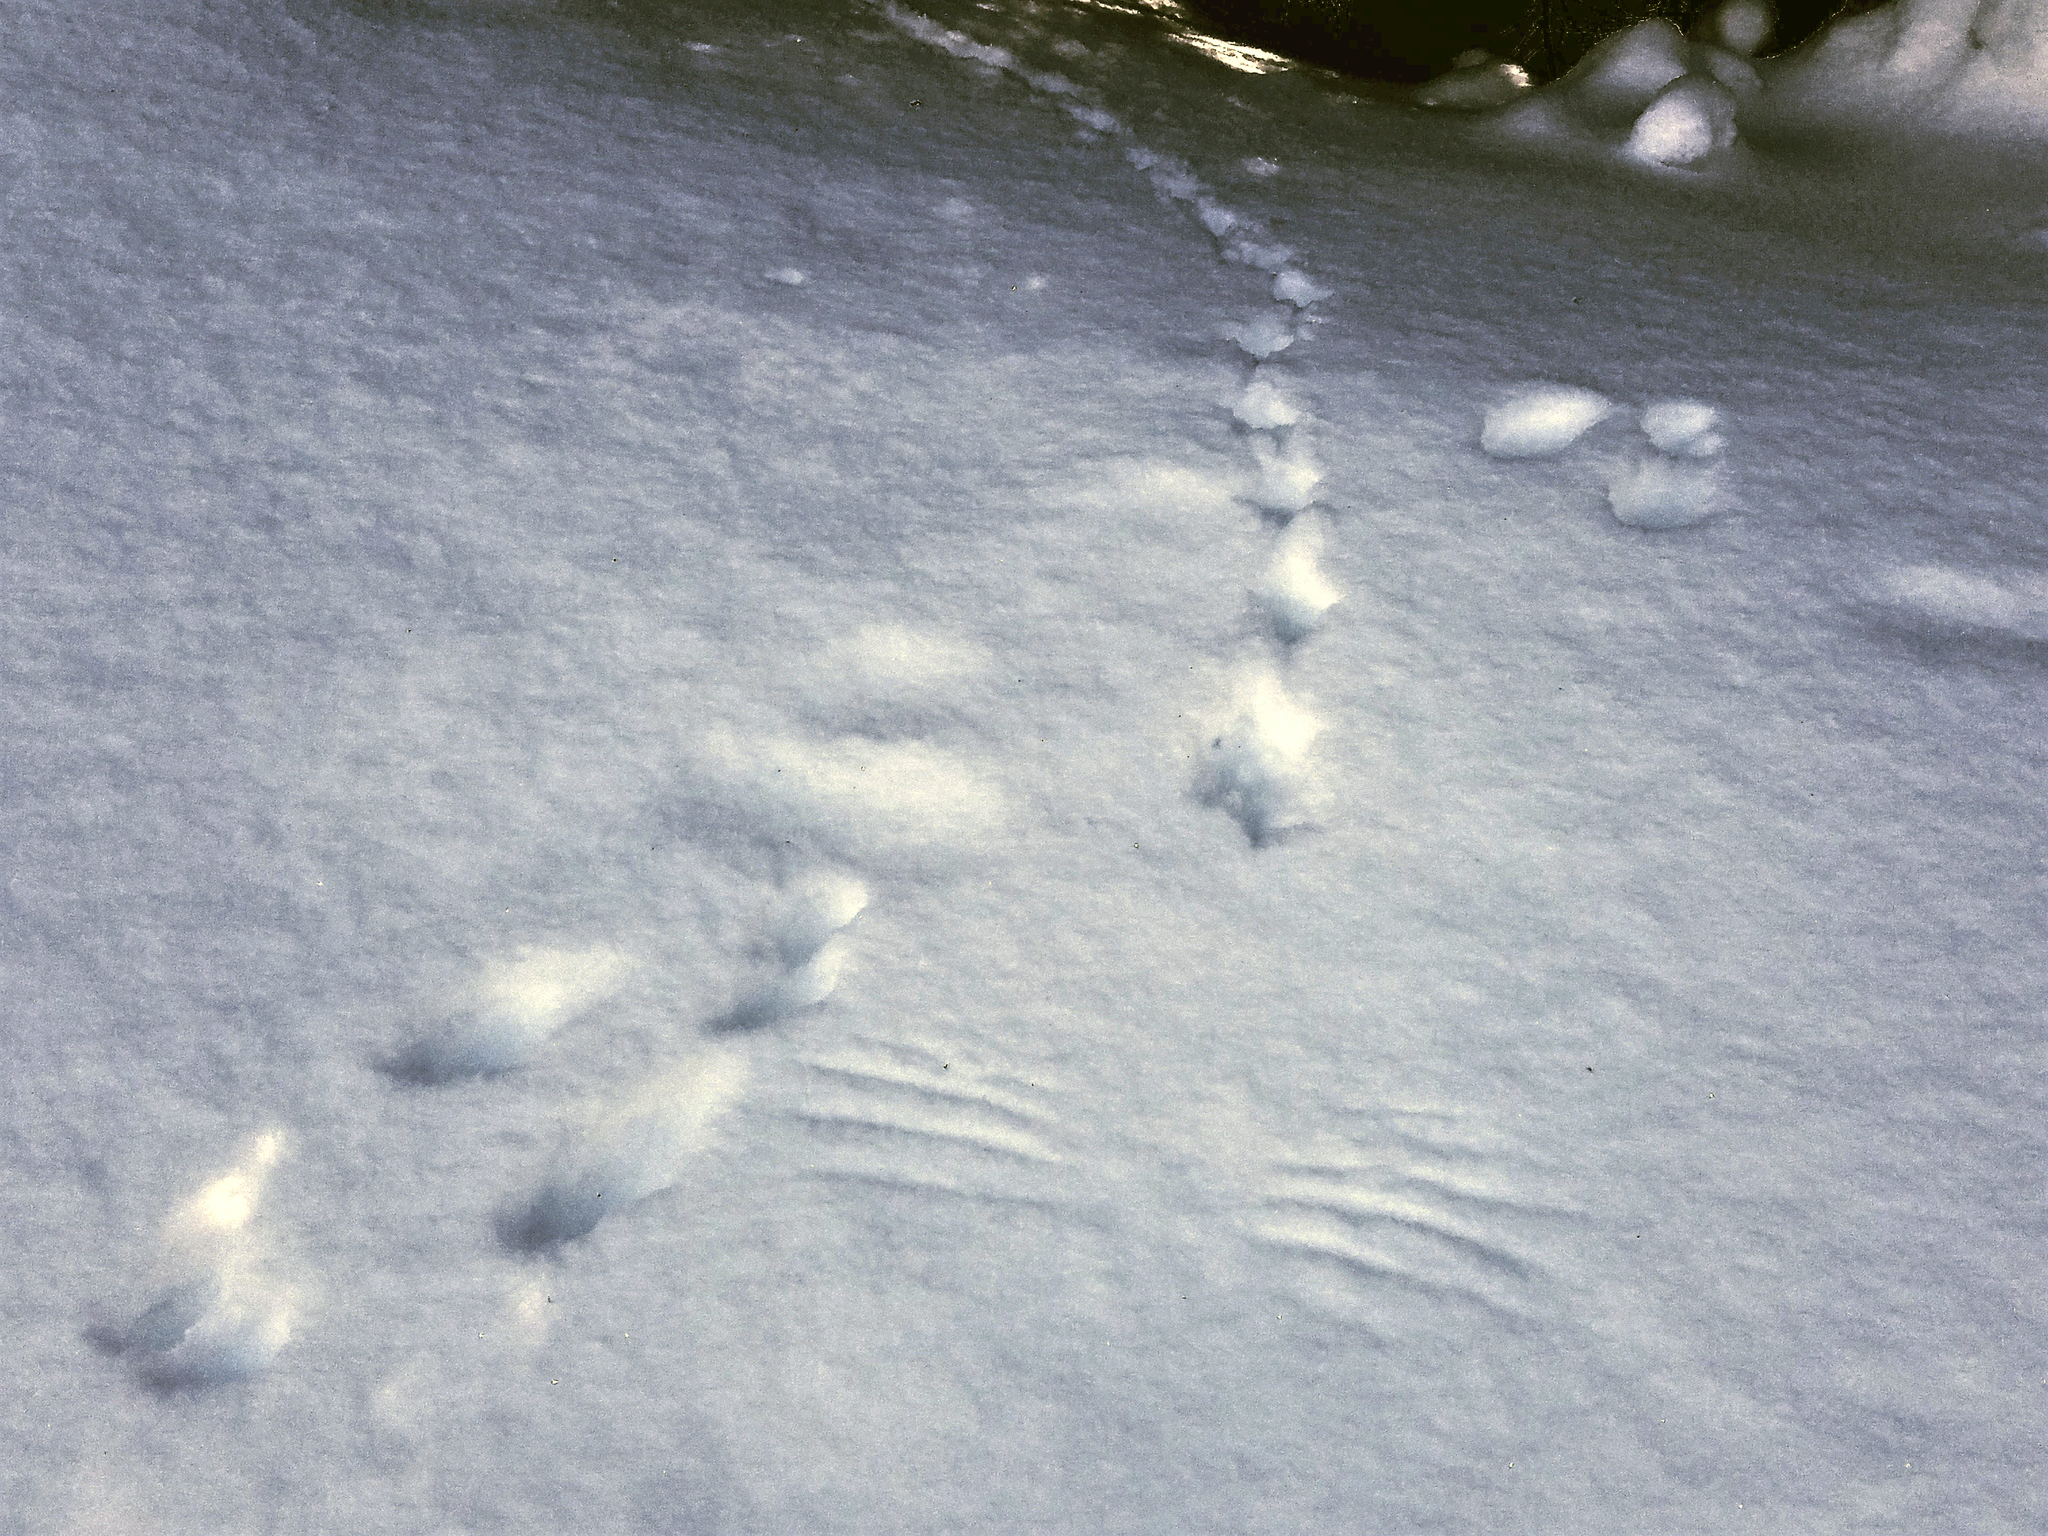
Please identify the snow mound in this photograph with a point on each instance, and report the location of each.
(1288, 477)
(1294, 593)
(1263, 406)
(1948, 67)
(1263, 335)
(1299, 289)
(1660, 493)
(1690, 119)
(512, 1009)
(1950, 599)
(1542, 421)
(635, 1151)
(1683, 427)
(1740, 26)
(1484, 82)
(1623, 73)
(214, 1315)
(1257, 769)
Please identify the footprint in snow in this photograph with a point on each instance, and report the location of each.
(216, 1311)
(806, 954)
(1294, 593)
(508, 1011)
(1257, 769)
(1263, 335)
(622, 1155)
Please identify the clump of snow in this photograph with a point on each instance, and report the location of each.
(630, 1153)
(1263, 334)
(1740, 26)
(1299, 289)
(1683, 427)
(1263, 406)
(1476, 82)
(1657, 493)
(1257, 767)
(214, 1314)
(1294, 592)
(1690, 119)
(510, 1011)
(1288, 476)
(1542, 421)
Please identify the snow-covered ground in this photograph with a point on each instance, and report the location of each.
(719, 821)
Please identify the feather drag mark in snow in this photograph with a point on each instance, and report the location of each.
(926, 1121)
(216, 1311)
(1256, 766)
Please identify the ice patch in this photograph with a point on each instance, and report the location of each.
(1683, 427)
(1542, 421)
(1299, 289)
(1659, 493)
(1288, 477)
(214, 1314)
(2016, 606)
(1294, 592)
(1263, 335)
(633, 1152)
(511, 1009)
(1691, 118)
(1263, 406)
(1257, 766)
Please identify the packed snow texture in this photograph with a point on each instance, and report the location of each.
(1015, 887)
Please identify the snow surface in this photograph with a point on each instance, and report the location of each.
(1012, 887)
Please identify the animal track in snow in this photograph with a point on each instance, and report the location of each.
(1541, 421)
(1656, 492)
(1263, 406)
(1299, 289)
(1288, 476)
(1257, 765)
(510, 1011)
(625, 1154)
(1294, 593)
(216, 1312)
(807, 956)
(1262, 335)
